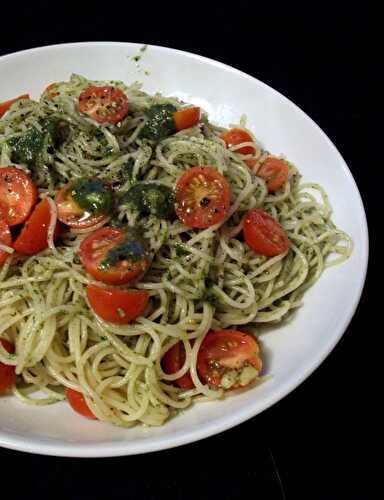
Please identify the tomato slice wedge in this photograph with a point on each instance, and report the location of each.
(4, 106)
(33, 238)
(275, 173)
(104, 104)
(50, 90)
(202, 197)
(7, 372)
(78, 403)
(228, 359)
(186, 118)
(6, 239)
(264, 234)
(115, 305)
(69, 213)
(235, 136)
(18, 194)
(106, 257)
(172, 361)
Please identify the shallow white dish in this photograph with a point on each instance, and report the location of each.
(293, 350)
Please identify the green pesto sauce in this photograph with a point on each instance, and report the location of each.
(128, 250)
(151, 199)
(93, 195)
(160, 122)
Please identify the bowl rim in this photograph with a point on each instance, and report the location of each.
(56, 448)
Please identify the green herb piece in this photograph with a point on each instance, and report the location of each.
(150, 198)
(160, 122)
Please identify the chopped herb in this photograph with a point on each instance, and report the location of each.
(181, 250)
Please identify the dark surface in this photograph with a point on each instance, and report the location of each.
(317, 443)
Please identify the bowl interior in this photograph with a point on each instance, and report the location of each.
(293, 350)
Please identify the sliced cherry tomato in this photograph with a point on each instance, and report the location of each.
(104, 104)
(202, 197)
(172, 361)
(97, 249)
(77, 401)
(275, 173)
(69, 212)
(186, 118)
(6, 239)
(235, 136)
(115, 305)
(50, 90)
(4, 106)
(18, 194)
(33, 238)
(228, 359)
(264, 234)
(7, 372)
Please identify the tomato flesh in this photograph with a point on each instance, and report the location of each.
(78, 403)
(95, 248)
(228, 353)
(104, 104)
(264, 234)
(275, 173)
(186, 118)
(172, 361)
(115, 305)
(235, 136)
(33, 238)
(7, 372)
(6, 239)
(4, 106)
(202, 197)
(18, 194)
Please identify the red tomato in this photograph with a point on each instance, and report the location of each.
(50, 90)
(104, 104)
(202, 197)
(235, 136)
(33, 238)
(186, 118)
(115, 305)
(227, 351)
(4, 106)
(7, 372)
(77, 401)
(172, 361)
(274, 172)
(264, 234)
(94, 250)
(71, 214)
(18, 194)
(6, 239)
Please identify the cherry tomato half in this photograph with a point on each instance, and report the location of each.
(7, 372)
(202, 197)
(115, 305)
(228, 359)
(275, 173)
(104, 104)
(96, 249)
(4, 106)
(18, 194)
(77, 401)
(6, 239)
(186, 118)
(33, 238)
(69, 212)
(172, 361)
(235, 136)
(264, 234)
(50, 92)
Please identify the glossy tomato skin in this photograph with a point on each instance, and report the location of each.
(275, 173)
(224, 351)
(116, 305)
(203, 197)
(78, 403)
(70, 214)
(4, 106)
(33, 237)
(235, 136)
(186, 118)
(18, 194)
(264, 234)
(104, 104)
(6, 239)
(7, 372)
(172, 361)
(94, 250)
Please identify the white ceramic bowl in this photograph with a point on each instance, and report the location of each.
(295, 349)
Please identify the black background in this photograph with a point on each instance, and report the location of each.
(319, 442)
